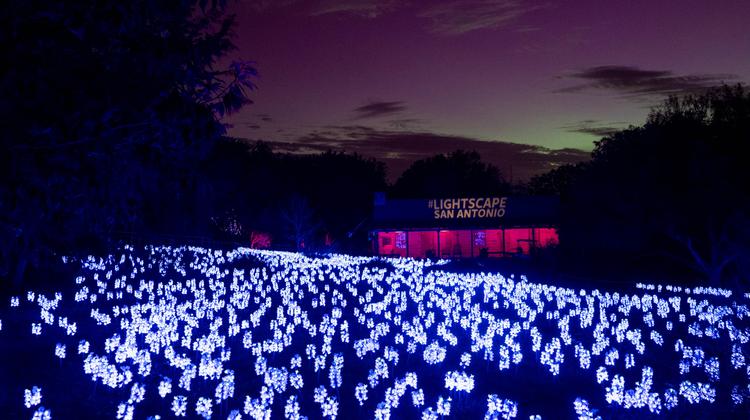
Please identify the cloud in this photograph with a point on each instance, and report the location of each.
(261, 6)
(399, 149)
(633, 82)
(595, 128)
(447, 17)
(459, 17)
(362, 8)
(405, 123)
(379, 109)
(265, 117)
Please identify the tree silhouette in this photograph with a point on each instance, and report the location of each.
(558, 181)
(107, 109)
(675, 187)
(459, 173)
(299, 221)
(259, 186)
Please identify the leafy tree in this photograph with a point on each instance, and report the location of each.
(456, 174)
(107, 109)
(261, 187)
(677, 186)
(558, 181)
(341, 188)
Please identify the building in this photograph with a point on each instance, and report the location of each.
(463, 227)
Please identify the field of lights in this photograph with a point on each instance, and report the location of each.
(158, 332)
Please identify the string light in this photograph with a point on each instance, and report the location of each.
(32, 397)
(42, 413)
(500, 408)
(179, 405)
(203, 407)
(459, 381)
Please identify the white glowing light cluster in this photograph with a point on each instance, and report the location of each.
(459, 381)
(583, 410)
(179, 405)
(32, 397)
(500, 408)
(360, 392)
(165, 387)
(160, 321)
(434, 353)
(42, 413)
(60, 350)
(203, 407)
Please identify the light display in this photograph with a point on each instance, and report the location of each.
(32, 397)
(262, 334)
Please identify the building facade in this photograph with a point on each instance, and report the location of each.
(467, 227)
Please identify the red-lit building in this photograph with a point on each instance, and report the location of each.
(464, 227)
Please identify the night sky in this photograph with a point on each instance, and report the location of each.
(528, 84)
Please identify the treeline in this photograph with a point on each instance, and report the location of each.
(670, 196)
(311, 202)
(673, 193)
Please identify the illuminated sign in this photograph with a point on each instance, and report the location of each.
(468, 208)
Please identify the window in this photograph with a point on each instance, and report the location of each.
(423, 244)
(480, 238)
(518, 240)
(488, 243)
(546, 237)
(401, 240)
(392, 244)
(455, 243)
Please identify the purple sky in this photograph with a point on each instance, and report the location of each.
(522, 82)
